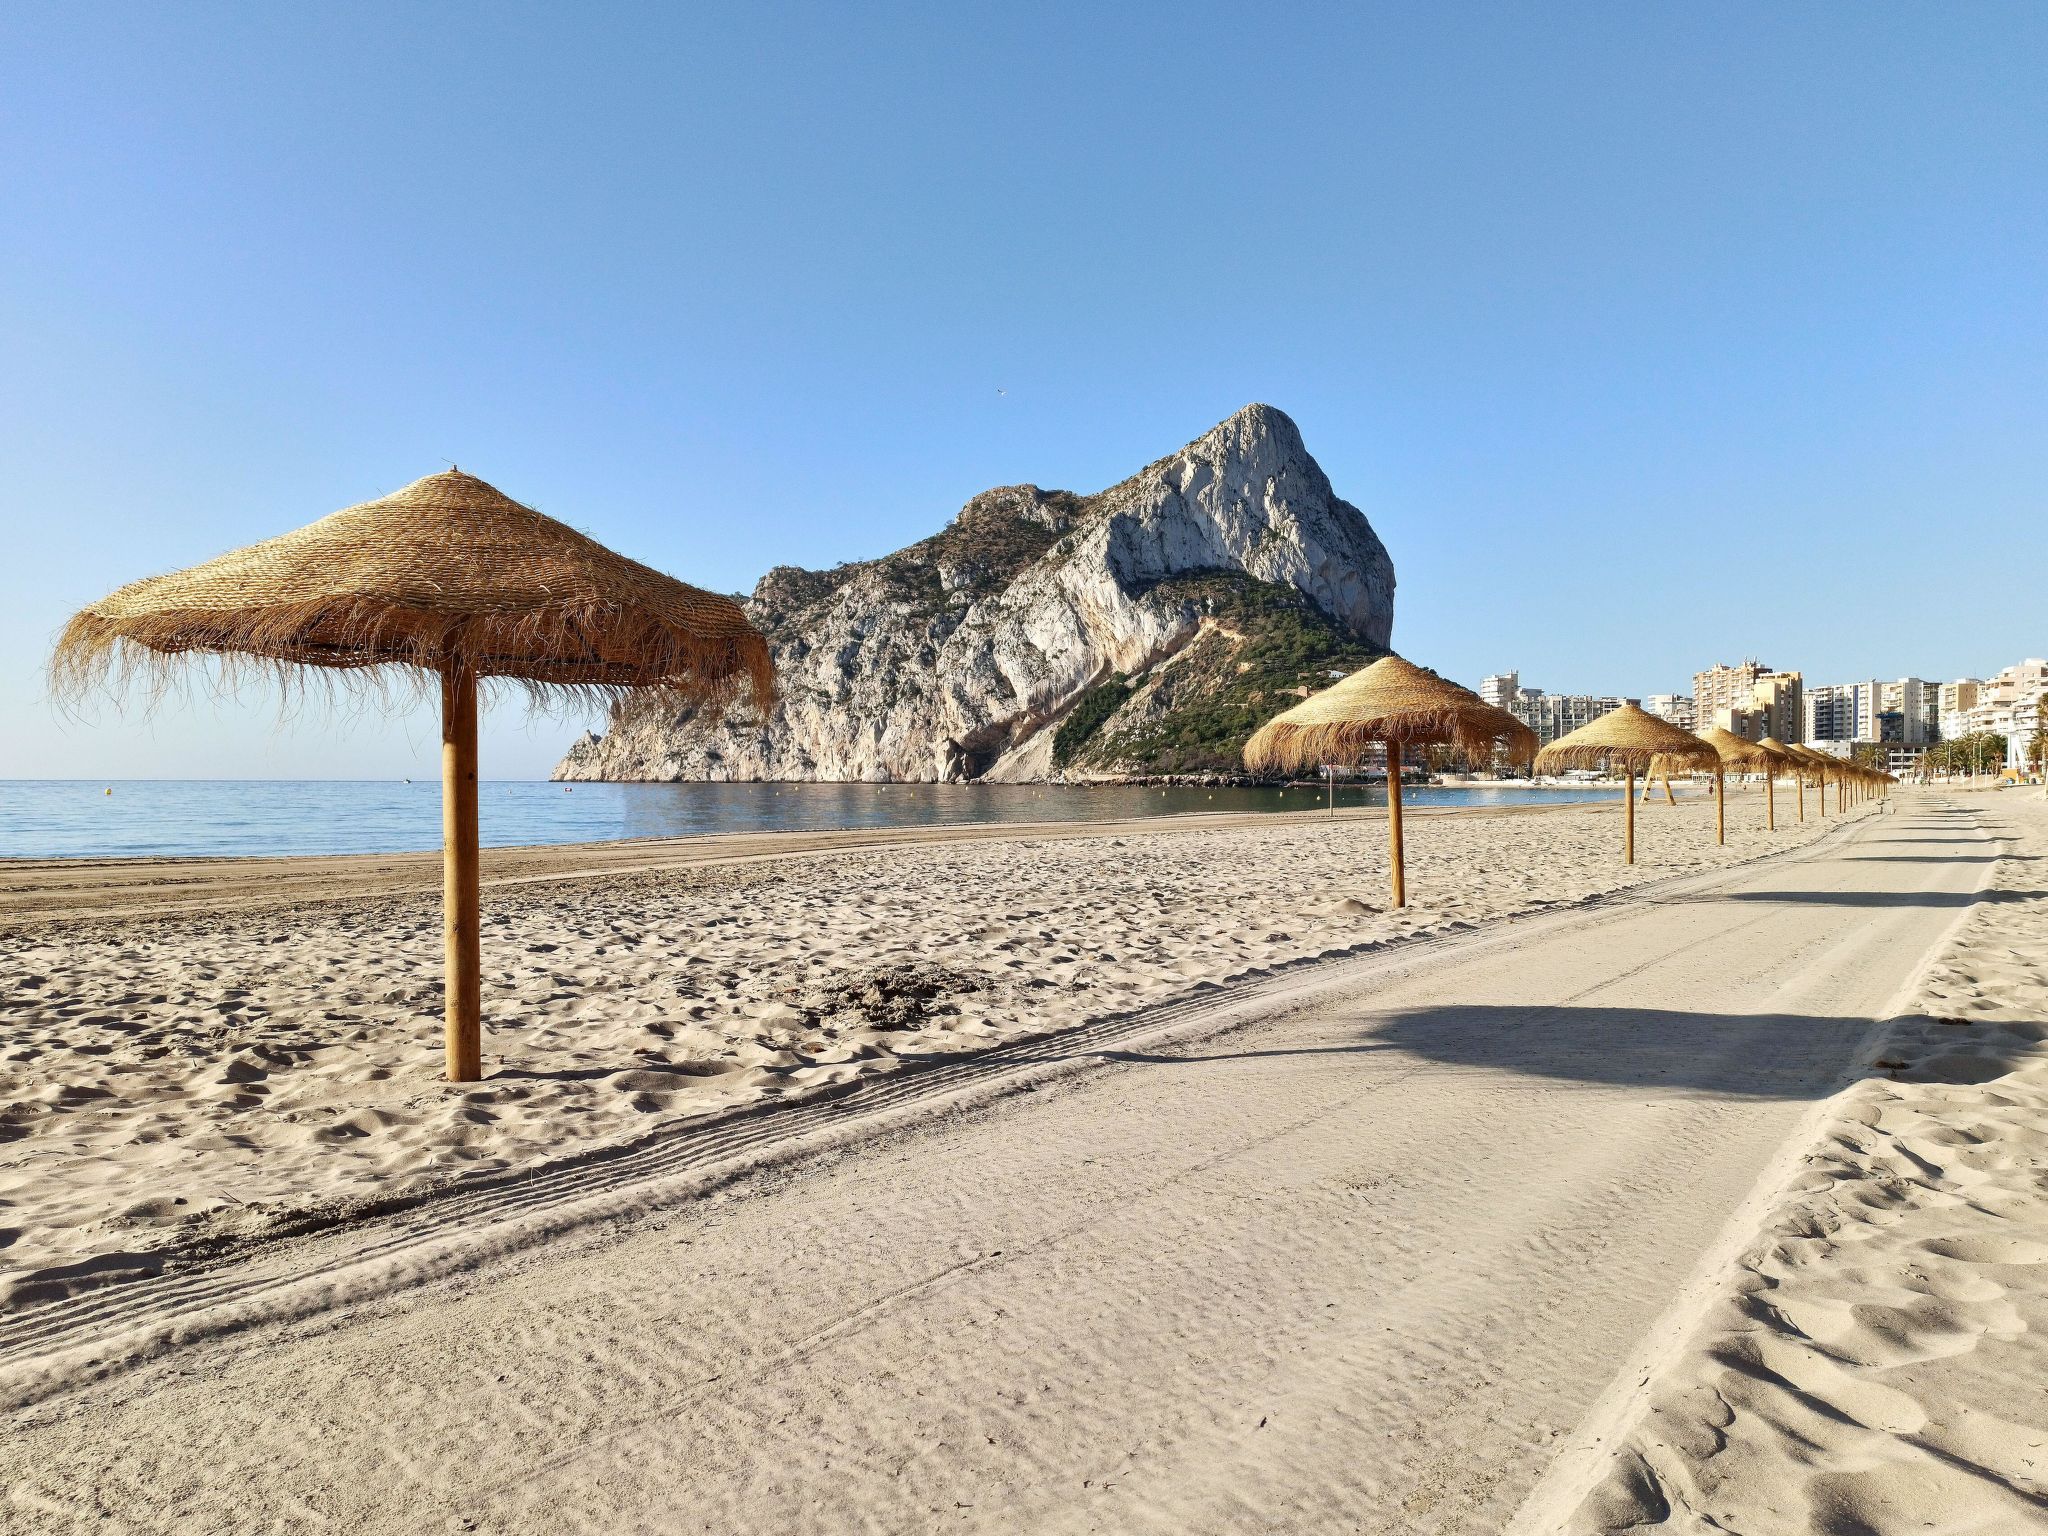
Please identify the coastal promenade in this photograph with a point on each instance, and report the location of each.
(1364, 1245)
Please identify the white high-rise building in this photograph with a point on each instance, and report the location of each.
(2013, 705)
(1551, 715)
(1904, 712)
(1675, 707)
(1501, 689)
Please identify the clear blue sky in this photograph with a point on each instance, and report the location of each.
(1646, 335)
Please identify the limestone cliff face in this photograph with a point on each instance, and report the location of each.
(961, 656)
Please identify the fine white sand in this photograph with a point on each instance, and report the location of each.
(1878, 1362)
(194, 1081)
(1354, 1247)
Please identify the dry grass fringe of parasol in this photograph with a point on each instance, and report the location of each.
(447, 574)
(1392, 700)
(1738, 754)
(1626, 740)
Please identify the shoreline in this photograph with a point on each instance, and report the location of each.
(35, 892)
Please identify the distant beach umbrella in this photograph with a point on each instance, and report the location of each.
(1626, 741)
(1822, 767)
(1391, 703)
(447, 579)
(1777, 758)
(1732, 754)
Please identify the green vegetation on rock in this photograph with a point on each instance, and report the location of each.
(1086, 717)
(1264, 645)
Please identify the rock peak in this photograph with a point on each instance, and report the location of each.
(969, 653)
(1259, 421)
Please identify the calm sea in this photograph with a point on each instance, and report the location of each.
(44, 818)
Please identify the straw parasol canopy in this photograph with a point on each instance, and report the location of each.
(1819, 761)
(1732, 753)
(1395, 704)
(1390, 701)
(448, 578)
(1627, 740)
(448, 574)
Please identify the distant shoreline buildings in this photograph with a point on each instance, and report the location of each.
(1549, 715)
(1751, 700)
(1899, 719)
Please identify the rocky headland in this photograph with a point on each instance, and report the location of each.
(1145, 630)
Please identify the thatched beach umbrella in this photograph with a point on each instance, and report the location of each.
(447, 579)
(1796, 758)
(1823, 768)
(1626, 740)
(1732, 754)
(1847, 777)
(1393, 703)
(1777, 757)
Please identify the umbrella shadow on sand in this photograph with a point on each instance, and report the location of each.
(1933, 858)
(1749, 1056)
(1952, 899)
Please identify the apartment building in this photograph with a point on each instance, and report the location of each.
(1675, 707)
(1834, 711)
(2013, 705)
(1501, 689)
(1551, 715)
(1751, 700)
(1957, 700)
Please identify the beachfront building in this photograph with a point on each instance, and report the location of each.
(2012, 704)
(1906, 710)
(1915, 704)
(1675, 707)
(1551, 715)
(1957, 700)
(1751, 700)
(1501, 689)
(1834, 712)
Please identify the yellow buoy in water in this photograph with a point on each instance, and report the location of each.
(110, 791)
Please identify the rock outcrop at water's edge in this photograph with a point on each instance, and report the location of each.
(1146, 629)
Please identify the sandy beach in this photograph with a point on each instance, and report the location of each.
(1368, 1244)
(182, 1083)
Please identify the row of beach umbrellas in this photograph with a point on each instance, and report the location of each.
(451, 586)
(1394, 704)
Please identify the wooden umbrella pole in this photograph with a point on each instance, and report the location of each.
(461, 898)
(1394, 823)
(1720, 807)
(1800, 780)
(1628, 824)
(1770, 800)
